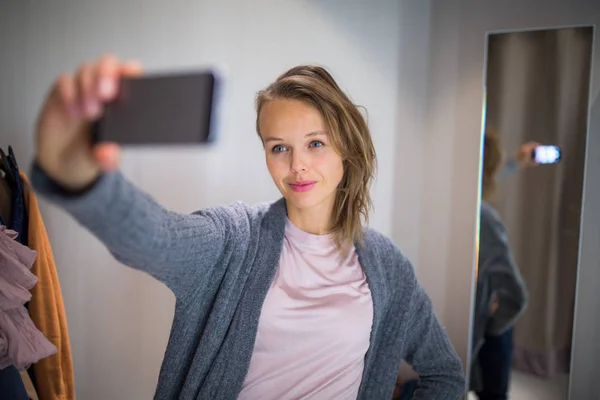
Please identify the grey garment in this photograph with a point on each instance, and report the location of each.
(510, 167)
(498, 278)
(220, 262)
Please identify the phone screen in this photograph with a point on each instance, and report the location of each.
(175, 109)
(546, 154)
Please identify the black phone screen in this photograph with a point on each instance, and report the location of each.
(160, 109)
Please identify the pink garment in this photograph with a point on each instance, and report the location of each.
(315, 324)
(21, 343)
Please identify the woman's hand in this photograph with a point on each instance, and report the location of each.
(524, 154)
(64, 148)
(494, 306)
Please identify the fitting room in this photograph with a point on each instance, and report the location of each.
(433, 76)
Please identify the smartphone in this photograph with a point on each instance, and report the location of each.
(167, 109)
(546, 154)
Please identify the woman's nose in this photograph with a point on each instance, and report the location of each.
(298, 163)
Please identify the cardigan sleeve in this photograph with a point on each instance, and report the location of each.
(430, 352)
(172, 247)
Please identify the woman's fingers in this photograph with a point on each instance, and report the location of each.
(87, 94)
(107, 78)
(66, 91)
(108, 156)
(131, 69)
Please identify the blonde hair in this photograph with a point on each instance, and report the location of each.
(492, 160)
(350, 137)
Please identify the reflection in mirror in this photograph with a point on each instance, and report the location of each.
(536, 117)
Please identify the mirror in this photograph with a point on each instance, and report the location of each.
(535, 127)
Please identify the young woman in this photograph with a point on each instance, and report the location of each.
(288, 300)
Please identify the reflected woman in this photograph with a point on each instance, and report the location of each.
(501, 293)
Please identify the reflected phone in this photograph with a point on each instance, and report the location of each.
(546, 154)
(167, 109)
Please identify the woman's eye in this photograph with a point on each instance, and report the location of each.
(278, 149)
(316, 143)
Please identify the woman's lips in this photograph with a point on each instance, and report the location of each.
(302, 186)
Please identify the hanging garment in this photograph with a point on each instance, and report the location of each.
(11, 384)
(18, 221)
(5, 198)
(16, 278)
(18, 217)
(21, 343)
(54, 378)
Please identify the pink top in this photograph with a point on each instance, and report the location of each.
(315, 324)
(21, 343)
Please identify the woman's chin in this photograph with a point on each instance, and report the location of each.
(305, 200)
(301, 201)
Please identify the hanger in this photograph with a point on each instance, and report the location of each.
(5, 163)
(7, 183)
(12, 158)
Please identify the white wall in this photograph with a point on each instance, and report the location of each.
(451, 155)
(412, 115)
(119, 319)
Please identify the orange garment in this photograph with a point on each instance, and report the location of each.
(53, 375)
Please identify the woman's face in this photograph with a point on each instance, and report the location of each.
(300, 157)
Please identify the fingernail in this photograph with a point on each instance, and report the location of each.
(92, 108)
(107, 87)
